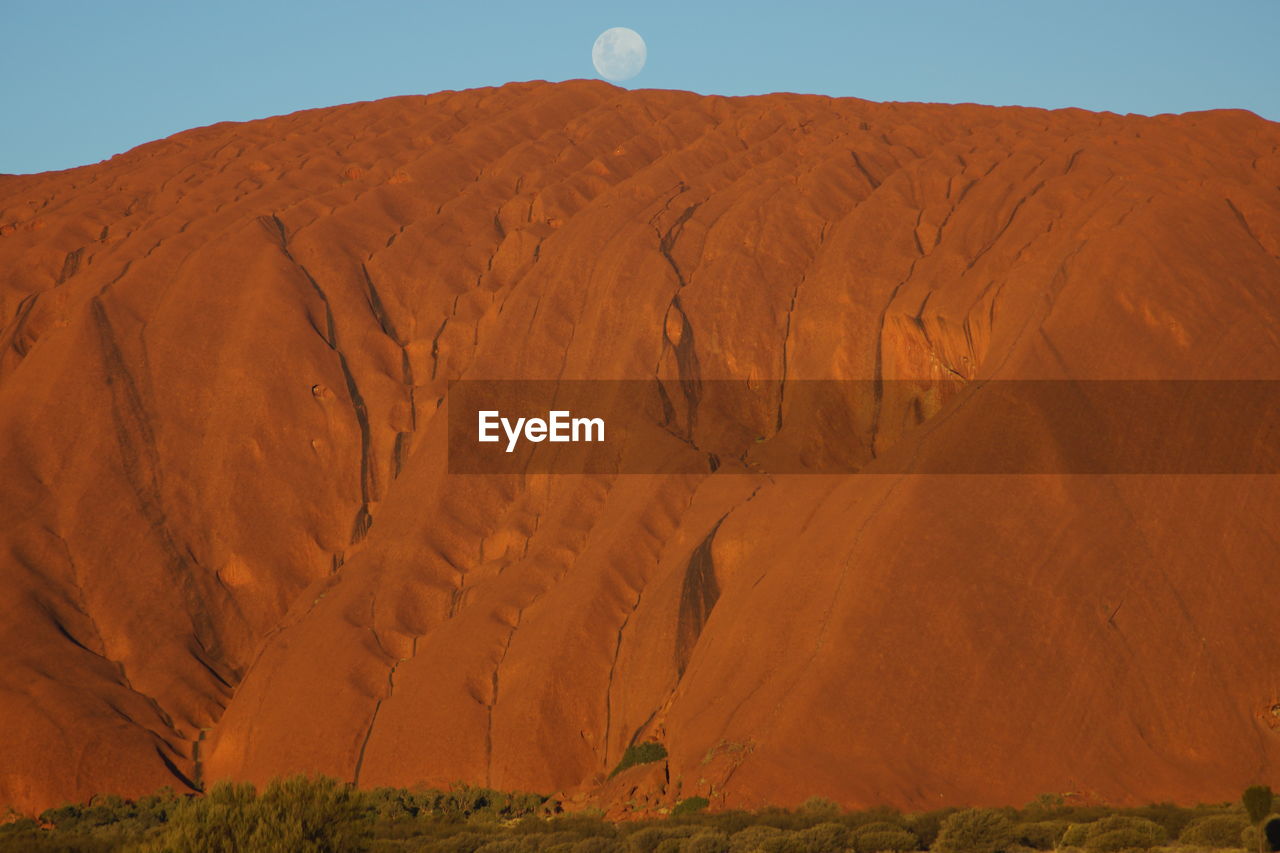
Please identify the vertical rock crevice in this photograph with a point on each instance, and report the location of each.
(368, 469)
(698, 596)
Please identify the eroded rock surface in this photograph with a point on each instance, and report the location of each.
(231, 549)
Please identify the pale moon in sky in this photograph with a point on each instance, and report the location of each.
(619, 54)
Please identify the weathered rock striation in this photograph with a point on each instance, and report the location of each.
(230, 547)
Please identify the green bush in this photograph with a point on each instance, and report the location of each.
(563, 841)
(462, 842)
(691, 805)
(1044, 807)
(598, 845)
(1257, 802)
(881, 835)
(220, 820)
(706, 842)
(877, 841)
(584, 824)
(1117, 841)
(783, 842)
(640, 753)
(316, 814)
(320, 814)
(1172, 818)
(1121, 832)
(727, 822)
(751, 838)
(1041, 834)
(308, 815)
(825, 836)
(1215, 831)
(1075, 835)
(975, 831)
(509, 845)
(926, 826)
(38, 841)
(820, 807)
(22, 825)
(648, 839)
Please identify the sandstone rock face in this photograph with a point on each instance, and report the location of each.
(231, 548)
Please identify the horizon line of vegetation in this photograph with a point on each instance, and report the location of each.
(318, 814)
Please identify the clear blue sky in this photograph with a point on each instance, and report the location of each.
(80, 81)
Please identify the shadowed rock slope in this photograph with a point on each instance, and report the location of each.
(230, 547)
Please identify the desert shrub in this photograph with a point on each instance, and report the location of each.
(1123, 832)
(706, 842)
(531, 825)
(892, 817)
(690, 805)
(727, 822)
(154, 810)
(873, 826)
(539, 843)
(470, 802)
(1257, 802)
(1172, 818)
(1118, 840)
(460, 803)
(107, 815)
(598, 845)
(640, 753)
(1044, 807)
(927, 825)
(975, 831)
(1074, 836)
(40, 841)
(25, 835)
(1264, 836)
(783, 819)
(879, 837)
(588, 824)
(783, 842)
(1082, 814)
(461, 842)
(20, 826)
(220, 820)
(823, 837)
(505, 845)
(558, 841)
(1215, 831)
(1041, 834)
(648, 839)
(315, 815)
(394, 811)
(751, 838)
(820, 807)
(97, 814)
(304, 813)
(63, 817)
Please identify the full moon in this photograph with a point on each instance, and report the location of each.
(619, 54)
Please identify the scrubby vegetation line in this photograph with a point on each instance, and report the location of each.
(321, 815)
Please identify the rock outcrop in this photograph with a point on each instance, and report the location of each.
(231, 547)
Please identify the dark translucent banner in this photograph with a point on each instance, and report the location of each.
(843, 427)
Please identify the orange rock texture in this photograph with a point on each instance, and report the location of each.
(230, 547)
